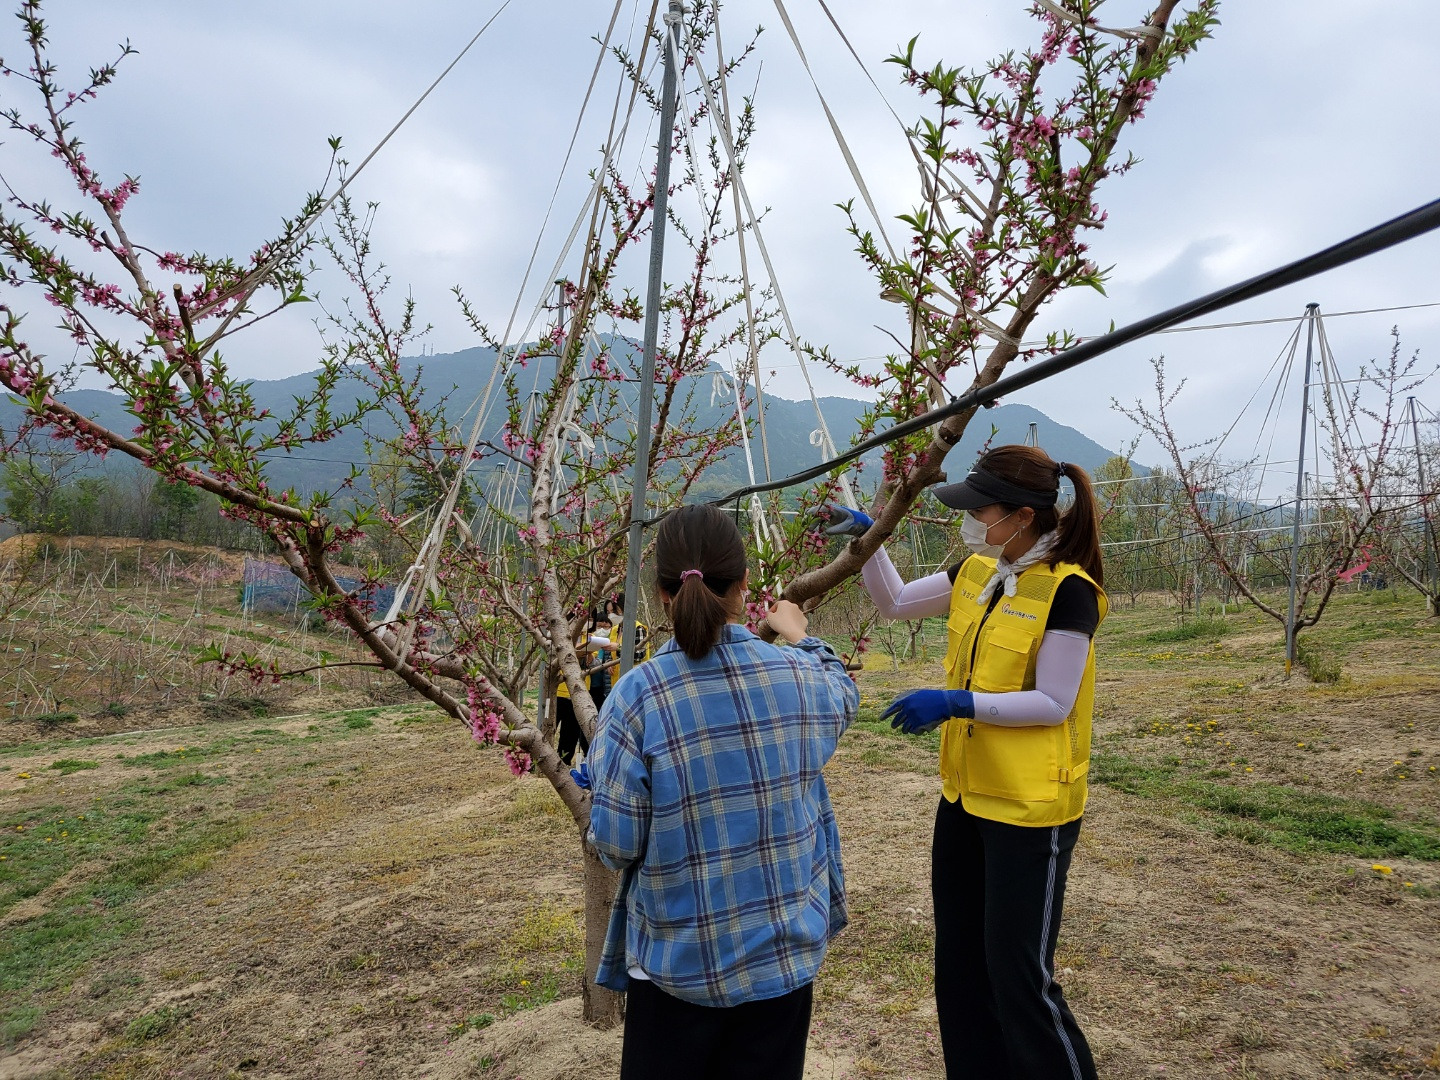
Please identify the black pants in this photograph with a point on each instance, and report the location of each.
(998, 892)
(567, 731)
(600, 686)
(670, 1039)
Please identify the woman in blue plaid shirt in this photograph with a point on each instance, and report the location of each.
(708, 795)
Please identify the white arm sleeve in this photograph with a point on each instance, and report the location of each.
(894, 599)
(1059, 669)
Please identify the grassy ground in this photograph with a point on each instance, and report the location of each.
(99, 633)
(351, 893)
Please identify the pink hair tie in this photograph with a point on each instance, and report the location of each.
(691, 573)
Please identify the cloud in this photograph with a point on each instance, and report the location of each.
(1300, 123)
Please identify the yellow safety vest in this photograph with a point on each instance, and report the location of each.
(641, 629)
(1019, 775)
(563, 690)
(642, 632)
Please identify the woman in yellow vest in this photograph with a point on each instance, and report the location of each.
(602, 639)
(567, 726)
(1015, 747)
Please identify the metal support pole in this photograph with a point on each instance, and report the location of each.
(1432, 563)
(641, 482)
(1312, 311)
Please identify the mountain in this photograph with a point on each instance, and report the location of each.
(461, 377)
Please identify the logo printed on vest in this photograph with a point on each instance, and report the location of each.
(1006, 609)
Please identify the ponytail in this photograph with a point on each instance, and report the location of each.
(698, 615)
(1079, 539)
(699, 558)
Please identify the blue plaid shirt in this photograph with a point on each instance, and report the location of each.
(708, 796)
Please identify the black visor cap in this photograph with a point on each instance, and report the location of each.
(981, 488)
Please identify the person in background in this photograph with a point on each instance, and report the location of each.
(708, 796)
(615, 612)
(1014, 722)
(567, 728)
(602, 677)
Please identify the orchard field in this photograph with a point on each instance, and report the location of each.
(323, 883)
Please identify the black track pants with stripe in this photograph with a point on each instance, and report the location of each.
(998, 892)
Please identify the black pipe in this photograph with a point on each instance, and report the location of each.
(1396, 231)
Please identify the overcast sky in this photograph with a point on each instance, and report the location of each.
(1302, 122)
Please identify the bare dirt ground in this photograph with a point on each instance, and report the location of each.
(367, 893)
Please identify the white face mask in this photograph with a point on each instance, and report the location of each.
(975, 533)
(615, 618)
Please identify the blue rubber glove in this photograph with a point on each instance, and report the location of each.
(924, 710)
(581, 776)
(847, 522)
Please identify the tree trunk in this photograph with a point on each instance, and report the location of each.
(917, 628)
(603, 1008)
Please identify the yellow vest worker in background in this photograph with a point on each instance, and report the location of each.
(1022, 612)
(567, 726)
(601, 644)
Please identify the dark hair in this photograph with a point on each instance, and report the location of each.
(1032, 468)
(699, 538)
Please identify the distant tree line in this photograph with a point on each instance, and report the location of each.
(43, 489)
